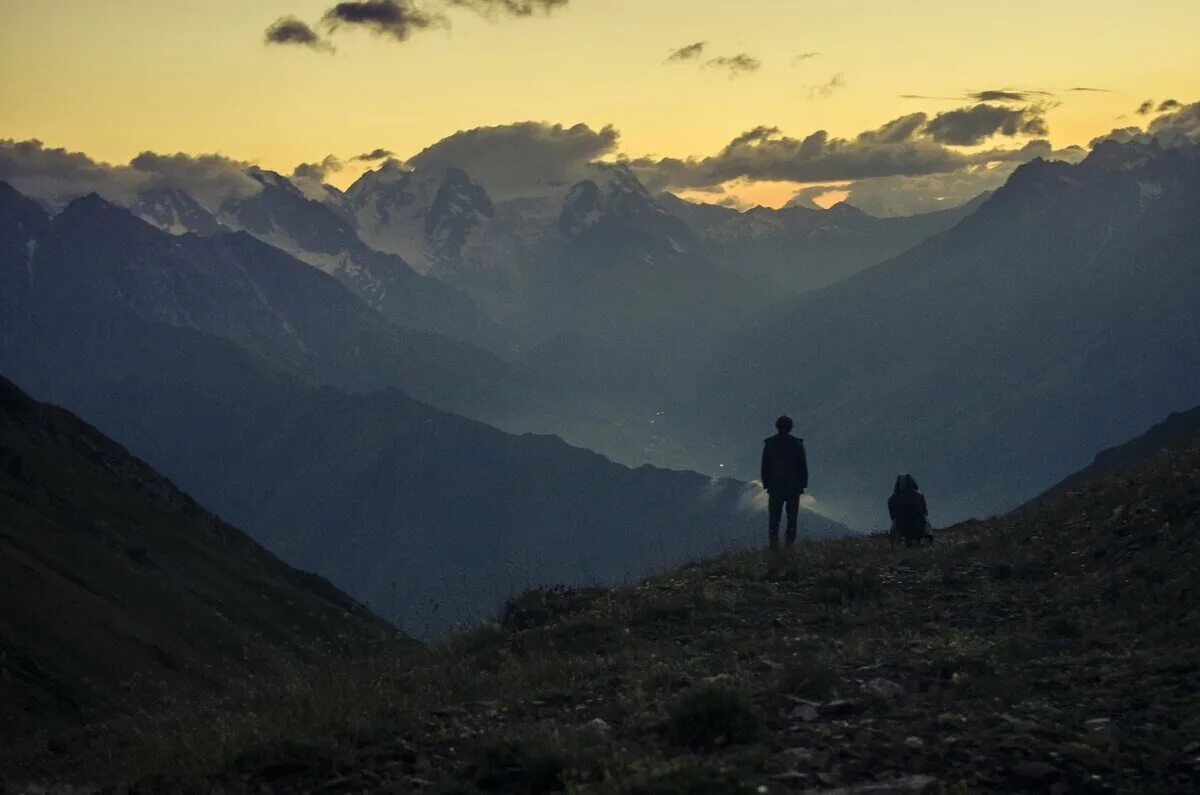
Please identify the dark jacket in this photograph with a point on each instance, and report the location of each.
(907, 508)
(784, 465)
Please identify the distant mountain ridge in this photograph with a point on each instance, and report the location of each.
(797, 249)
(1055, 320)
(231, 285)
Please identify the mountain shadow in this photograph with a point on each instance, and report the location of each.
(119, 590)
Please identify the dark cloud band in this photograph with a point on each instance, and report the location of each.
(974, 125)
(374, 154)
(736, 65)
(289, 30)
(397, 19)
(510, 8)
(689, 52)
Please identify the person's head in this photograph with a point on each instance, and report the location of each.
(905, 483)
(784, 424)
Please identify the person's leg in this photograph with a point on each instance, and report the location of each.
(774, 511)
(793, 515)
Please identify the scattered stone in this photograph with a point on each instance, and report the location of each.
(884, 688)
(600, 725)
(806, 713)
(914, 743)
(900, 786)
(1102, 731)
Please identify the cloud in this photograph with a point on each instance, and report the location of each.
(316, 172)
(1088, 88)
(397, 19)
(1177, 127)
(827, 88)
(1006, 95)
(913, 145)
(289, 30)
(996, 95)
(689, 52)
(737, 65)
(805, 196)
(521, 158)
(764, 153)
(57, 175)
(974, 125)
(805, 56)
(1168, 105)
(374, 154)
(511, 8)
(212, 179)
(1145, 108)
(909, 195)
(904, 128)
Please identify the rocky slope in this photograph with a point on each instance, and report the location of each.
(1050, 651)
(120, 591)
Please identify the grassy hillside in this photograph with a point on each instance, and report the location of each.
(120, 593)
(1057, 650)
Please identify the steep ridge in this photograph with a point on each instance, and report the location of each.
(120, 590)
(1052, 651)
(1177, 430)
(94, 255)
(1057, 319)
(321, 232)
(313, 231)
(599, 258)
(793, 250)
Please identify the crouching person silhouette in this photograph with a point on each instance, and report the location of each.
(909, 512)
(785, 477)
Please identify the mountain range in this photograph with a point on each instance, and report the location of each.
(793, 250)
(1056, 319)
(215, 358)
(1016, 336)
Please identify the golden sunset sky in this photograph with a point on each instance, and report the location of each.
(113, 78)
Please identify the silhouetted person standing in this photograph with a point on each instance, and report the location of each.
(785, 477)
(909, 512)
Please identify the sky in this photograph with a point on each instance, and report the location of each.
(674, 80)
